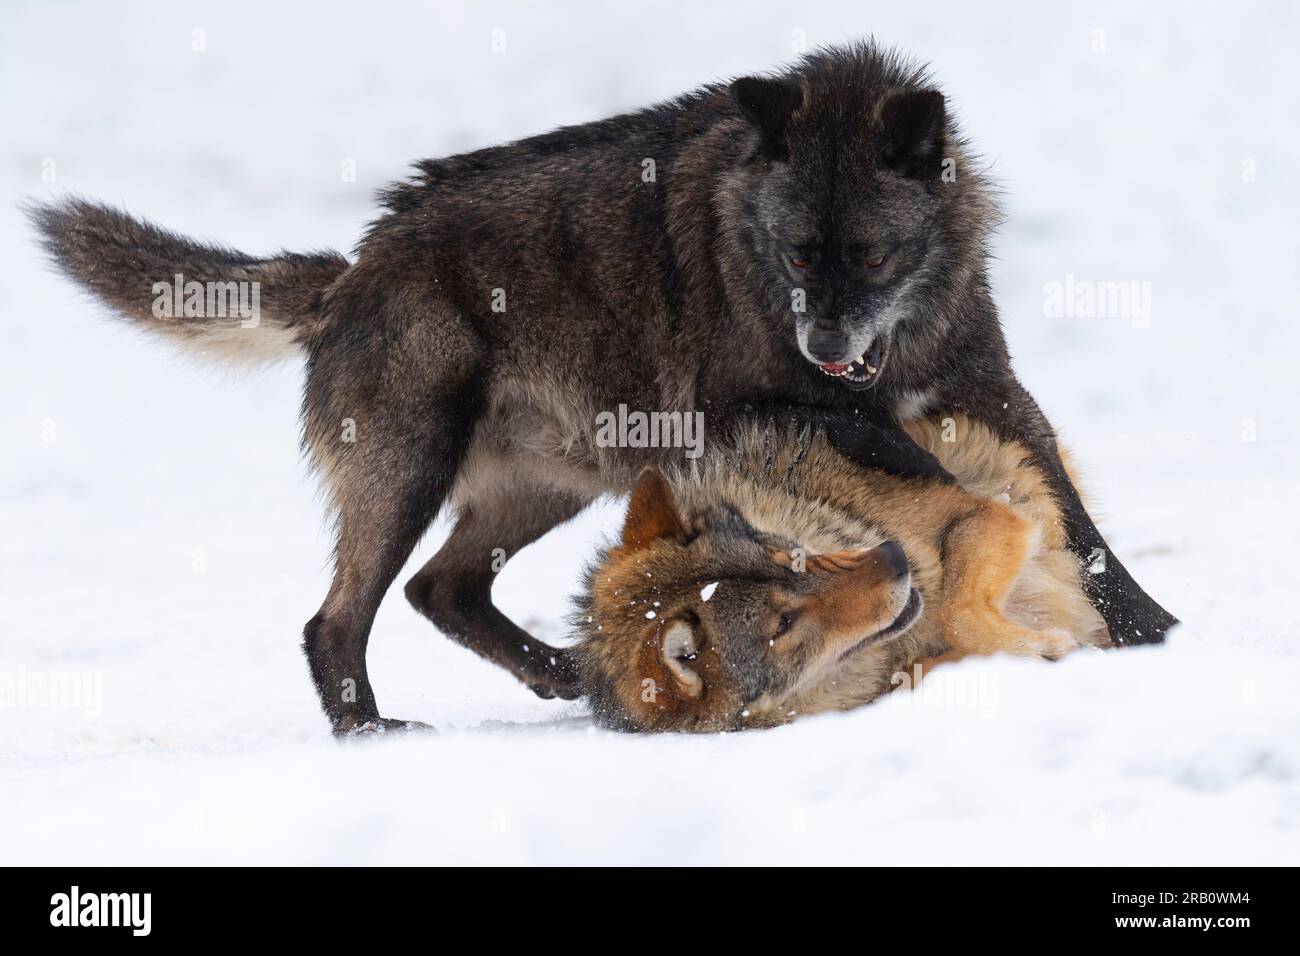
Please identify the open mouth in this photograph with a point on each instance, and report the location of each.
(863, 371)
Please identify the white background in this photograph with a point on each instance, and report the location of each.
(158, 530)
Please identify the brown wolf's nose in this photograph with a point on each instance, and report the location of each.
(894, 558)
(827, 345)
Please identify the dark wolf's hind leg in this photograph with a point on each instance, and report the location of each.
(389, 443)
(373, 544)
(454, 590)
(378, 527)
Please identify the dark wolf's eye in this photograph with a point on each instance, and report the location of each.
(875, 262)
(799, 262)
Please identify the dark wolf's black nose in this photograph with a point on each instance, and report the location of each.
(894, 558)
(827, 345)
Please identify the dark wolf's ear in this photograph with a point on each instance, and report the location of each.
(652, 512)
(769, 103)
(913, 124)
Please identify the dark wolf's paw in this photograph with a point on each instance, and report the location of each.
(554, 691)
(1144, 623)
(865, 438)
(872, 443)
(366, 726)
(552, 680)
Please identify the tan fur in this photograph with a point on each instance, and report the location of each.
(988, 557)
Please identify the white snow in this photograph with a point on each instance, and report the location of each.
(706, 592)
(161, 545)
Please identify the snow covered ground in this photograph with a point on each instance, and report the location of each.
(161, 546)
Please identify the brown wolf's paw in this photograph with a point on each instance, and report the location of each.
(557, 676)
(1001, 636)
(368, 726)
(1052, 644)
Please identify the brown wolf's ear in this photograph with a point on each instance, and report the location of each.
(913, 123)
(678, 650)
(769, 103)
(652, 512)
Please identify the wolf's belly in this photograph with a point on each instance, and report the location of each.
(587, 454)
(546, 431)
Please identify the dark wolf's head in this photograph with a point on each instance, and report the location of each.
(851, 203)
(708, 624)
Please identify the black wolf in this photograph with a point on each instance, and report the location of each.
(812, 242)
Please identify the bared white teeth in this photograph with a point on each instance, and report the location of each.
(849, 370)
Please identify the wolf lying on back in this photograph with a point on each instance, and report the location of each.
(769, 581)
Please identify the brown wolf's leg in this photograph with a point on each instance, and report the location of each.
(454, 590)
(928, 664)
(982, 556)
(1132, 615)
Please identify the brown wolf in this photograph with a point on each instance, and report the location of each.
(814, 241)
(779, 579)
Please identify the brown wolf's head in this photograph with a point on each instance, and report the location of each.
(855, 206)
(709, 624)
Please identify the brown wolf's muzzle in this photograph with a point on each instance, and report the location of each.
(866, 593)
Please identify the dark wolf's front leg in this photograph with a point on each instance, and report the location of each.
(1132, 616)
(865, 437)
(454, 589)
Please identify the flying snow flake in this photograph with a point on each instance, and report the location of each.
(706, 592)
(650, 615)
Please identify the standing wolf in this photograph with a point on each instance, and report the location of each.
(811, 243)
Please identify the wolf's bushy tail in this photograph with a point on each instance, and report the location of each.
(145, 274)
